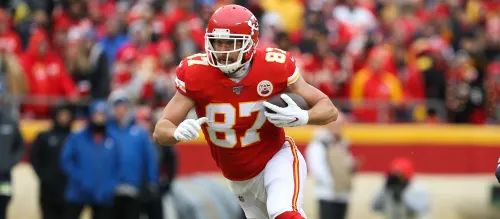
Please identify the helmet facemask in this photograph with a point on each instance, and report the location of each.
(223, 59)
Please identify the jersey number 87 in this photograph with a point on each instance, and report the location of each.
(225, 127)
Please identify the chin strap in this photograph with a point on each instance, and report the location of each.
(241, 72)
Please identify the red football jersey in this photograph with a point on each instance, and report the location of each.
(240, 137)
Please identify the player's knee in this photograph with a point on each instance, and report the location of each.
(290, 215)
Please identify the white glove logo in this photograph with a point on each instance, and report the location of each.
(189, 129)
(292, 115)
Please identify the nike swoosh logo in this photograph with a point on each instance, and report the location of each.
(295, 120)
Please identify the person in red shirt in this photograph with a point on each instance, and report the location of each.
(47, 77)
(182, 17)
(492, 86)
(9, 40)
(373, 86)
(228, 86)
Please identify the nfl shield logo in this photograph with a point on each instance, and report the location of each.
(237, 89)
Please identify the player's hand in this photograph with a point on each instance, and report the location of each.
(189, 129)
(292, 115)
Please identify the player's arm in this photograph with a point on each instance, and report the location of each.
(322, 110)
(170, 128)
(173, 114)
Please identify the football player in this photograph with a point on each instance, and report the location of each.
(228, 85)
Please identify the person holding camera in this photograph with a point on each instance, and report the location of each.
(401, 197)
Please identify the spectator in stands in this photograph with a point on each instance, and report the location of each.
(45, 154)
(358, 18)
(164, 83)
(113, 40)
(465, 94)
(322, 69)
(9, 39)
(138, 166)
(13, 85)
(332, 166)
(492, 47)
(43, 67)
(152, 204)
(137, 66)
(124, 68)
(90, 162)
(29, 21)
(492, 83)
(11, 151)
(291, 13)
(346, 28)
(87, 63)
(184, 27)
(432, 116)
(401, 197)
(374, 90)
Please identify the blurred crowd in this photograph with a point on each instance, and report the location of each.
(381, 60)
(110, 164)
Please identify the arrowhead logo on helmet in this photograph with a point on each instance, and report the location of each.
(253, 24)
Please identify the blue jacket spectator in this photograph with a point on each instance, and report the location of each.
(137, 158)
(113, 40)
(138, 166)
(90, 161)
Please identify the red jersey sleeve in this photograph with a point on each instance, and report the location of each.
(188, 81)
(180, 80)
(291, 70)
(280, 63)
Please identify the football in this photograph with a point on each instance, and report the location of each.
(276, 100)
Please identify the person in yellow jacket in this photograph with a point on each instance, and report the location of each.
(375, 90)
(290, 11)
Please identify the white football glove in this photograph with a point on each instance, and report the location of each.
(292, 115)
(189, 129)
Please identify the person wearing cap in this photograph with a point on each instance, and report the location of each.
(44, 157)
(138, 166)
(90, 161)
(401, 197)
